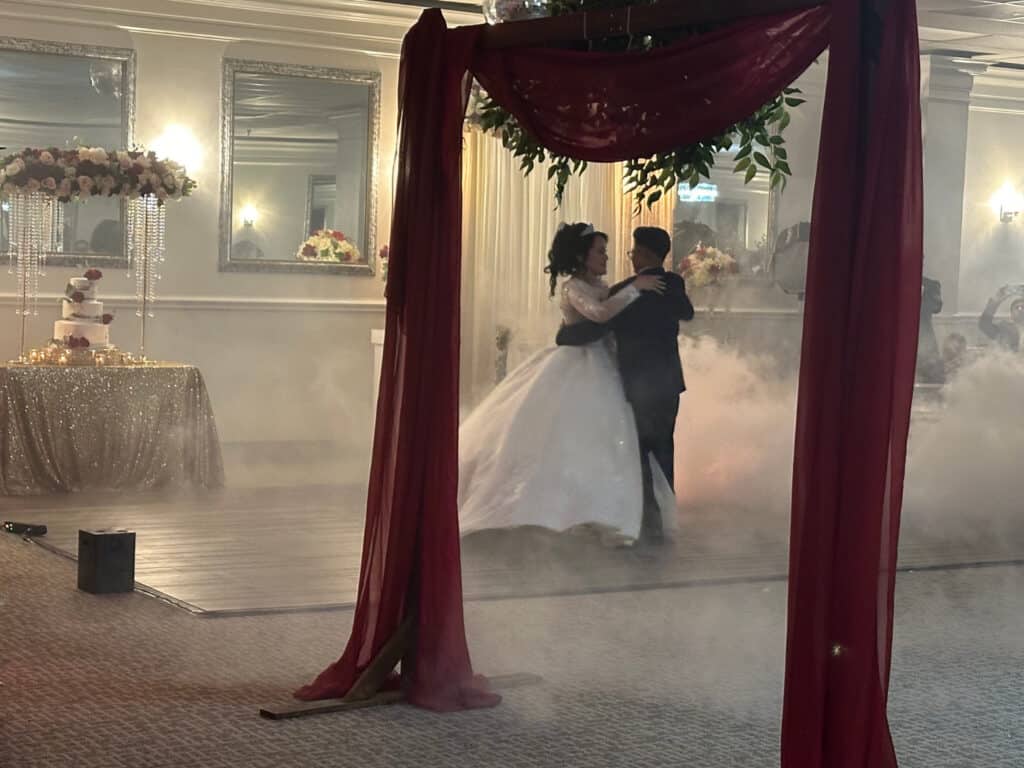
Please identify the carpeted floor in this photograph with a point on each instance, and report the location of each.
(687, 677)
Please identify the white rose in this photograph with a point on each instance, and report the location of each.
(46, 158)
(15, 168)
(124, 161)
(98, 156)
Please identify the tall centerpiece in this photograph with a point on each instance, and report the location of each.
(36, 181)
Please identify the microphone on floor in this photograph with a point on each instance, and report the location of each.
(25, 529)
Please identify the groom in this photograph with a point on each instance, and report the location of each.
(647, 336)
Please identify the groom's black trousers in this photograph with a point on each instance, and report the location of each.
(656, 415)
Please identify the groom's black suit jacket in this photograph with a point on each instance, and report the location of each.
(647, 335)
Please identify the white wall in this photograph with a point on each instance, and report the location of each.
(992, 253)
(285, 357)
(278, 193)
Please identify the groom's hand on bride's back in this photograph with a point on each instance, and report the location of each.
(580, 334)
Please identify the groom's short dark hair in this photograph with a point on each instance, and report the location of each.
(654, 239)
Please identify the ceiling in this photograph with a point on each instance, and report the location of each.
(270, 106)
(987, 30)
(45, 99)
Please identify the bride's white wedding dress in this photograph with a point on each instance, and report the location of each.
(555, 443)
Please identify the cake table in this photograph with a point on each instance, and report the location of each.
(131, 427)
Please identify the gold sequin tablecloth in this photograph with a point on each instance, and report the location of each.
(134, 427)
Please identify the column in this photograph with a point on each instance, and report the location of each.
(946, 84)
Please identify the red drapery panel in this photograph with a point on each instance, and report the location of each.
(856, 384)
(610, 107)
(856, 372)
(411, 541)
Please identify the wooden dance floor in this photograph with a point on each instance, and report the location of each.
(298, 548)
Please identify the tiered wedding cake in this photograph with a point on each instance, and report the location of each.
(84, 324)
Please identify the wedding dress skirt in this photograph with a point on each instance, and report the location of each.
(555, 445)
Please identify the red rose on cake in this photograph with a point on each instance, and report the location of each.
(108, 318)
(78, 297)
(78, 342)
(93, 275)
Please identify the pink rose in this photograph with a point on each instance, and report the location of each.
(50, 183)
(85, 183)
(32, 185)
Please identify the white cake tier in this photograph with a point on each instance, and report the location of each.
(89, 308)
(82, 284)
(98, 334)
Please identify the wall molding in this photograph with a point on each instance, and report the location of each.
(222, 304)
(371, 28)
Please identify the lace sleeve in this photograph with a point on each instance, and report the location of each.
(596, 309)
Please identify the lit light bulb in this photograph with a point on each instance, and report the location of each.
(178, 143)
(1007, 202)
(249, 215)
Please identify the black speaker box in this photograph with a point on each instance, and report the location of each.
(106, 561)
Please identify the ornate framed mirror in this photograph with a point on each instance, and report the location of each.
(299, 153)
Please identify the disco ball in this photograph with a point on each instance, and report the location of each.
(497, 11)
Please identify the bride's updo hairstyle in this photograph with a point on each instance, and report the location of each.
(569, 250)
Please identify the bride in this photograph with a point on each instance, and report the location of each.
(555, 444)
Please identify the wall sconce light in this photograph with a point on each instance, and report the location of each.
(179, 144)
(249, 215)
(1007, 202)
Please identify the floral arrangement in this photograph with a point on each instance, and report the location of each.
(78, 174)
(328, 245)
(706, 265)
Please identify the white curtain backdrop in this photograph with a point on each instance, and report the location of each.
(508, 223)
